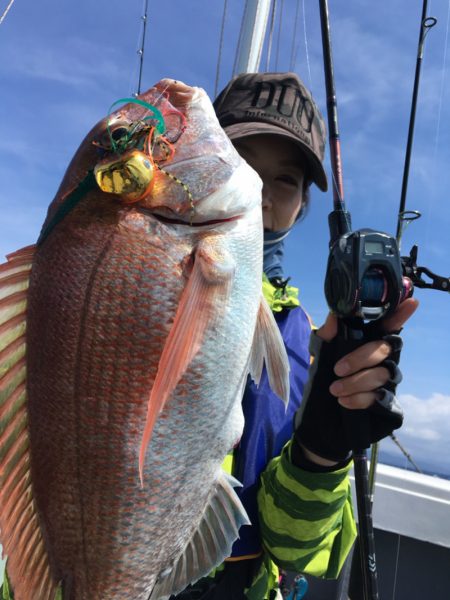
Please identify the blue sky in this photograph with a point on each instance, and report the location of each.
(63, 64)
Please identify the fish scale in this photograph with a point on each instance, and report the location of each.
(102, 344)
(104, 472)
(139, 341)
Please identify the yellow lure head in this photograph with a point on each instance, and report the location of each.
(129, 175)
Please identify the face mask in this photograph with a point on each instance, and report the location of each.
(274, 252)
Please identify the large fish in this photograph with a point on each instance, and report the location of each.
(126, 337)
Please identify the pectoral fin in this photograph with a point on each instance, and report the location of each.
(268, 347)
(21, 536)
(202, 303)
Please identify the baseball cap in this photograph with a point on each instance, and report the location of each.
(277, 103)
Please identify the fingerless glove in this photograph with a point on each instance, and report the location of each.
(325, 427)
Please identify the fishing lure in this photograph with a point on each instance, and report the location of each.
(129, 172)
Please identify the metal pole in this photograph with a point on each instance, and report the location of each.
(254, 26)
(2, 18)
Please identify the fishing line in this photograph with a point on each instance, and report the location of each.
(306, 45)
(132, 78)
(336, 187)
(405, 453)
(279, 34)
(272, 23)
(399, 538)
(438, 125)
(158, 98)
(429, 196)
(219, 58)
(444, 62)
(397, 558)
(2, 18)
(294, 38)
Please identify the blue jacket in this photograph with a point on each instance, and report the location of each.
(267, 426)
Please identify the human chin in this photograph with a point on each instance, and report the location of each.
(267, 222)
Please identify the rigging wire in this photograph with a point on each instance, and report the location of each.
(280, 23)
(5, 12)
(272, 23)
(306, 46)
(219, 58)
(294, 39)
(142, 48)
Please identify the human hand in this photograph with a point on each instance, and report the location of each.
(364, 379)
(361, 371)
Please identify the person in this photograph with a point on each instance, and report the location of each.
(294, 465)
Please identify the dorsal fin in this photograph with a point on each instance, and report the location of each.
(21, 537)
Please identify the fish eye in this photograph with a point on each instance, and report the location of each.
(115, 131)
(119, 132)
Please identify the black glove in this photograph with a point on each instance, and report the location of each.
(328, 429)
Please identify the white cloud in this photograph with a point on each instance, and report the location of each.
(434, 410)
(77, 62)
(374, 72)
(422, 433)
(426, 430)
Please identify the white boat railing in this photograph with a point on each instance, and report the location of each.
(412, 504)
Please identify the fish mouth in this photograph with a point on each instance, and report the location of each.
(177, 221)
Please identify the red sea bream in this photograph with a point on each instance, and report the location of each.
(126, 337)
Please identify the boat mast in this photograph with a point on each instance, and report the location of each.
(253, 31)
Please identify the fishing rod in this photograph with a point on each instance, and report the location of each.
(142, 48)
(364, 282)
(426, 23)
(340, 224)
(409, 263)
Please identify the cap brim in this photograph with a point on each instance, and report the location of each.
(241, 130)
